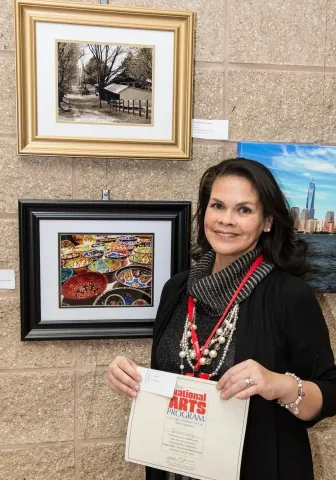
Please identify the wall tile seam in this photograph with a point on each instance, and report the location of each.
(10, 294)
(210, 143)
(7, 135)
(102, 441)
(206, 65)
(28, 446)
(77, 459)
(322, 429)
(226, 52)
(8, 216)
(29, 370)
(264, 67)
(4, 134)
(203, 64)
(91, 367)
(7, 54)
(220, 65)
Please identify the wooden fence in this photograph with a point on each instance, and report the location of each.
(134, 107)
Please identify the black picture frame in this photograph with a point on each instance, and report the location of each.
(32, 212)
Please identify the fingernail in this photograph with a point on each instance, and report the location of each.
(136, 387)
(134, 394)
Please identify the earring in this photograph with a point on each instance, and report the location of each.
(268, 229)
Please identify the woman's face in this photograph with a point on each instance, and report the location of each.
(234, 217)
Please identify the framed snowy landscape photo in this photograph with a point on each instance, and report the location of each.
(103, 81)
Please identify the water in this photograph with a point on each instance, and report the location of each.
(322, 259)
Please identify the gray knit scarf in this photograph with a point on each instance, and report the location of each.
(215, 290)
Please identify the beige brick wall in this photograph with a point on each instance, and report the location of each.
(267, 65)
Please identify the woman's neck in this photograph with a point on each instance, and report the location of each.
(223, 261)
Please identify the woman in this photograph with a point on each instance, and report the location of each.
(273, 334)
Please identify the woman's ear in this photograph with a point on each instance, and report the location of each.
(268, 224)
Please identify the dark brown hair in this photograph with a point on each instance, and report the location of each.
(280, 245)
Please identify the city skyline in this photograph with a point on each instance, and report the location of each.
(305, 173)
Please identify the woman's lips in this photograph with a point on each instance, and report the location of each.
(226, 235)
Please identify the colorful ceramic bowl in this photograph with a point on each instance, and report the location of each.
(105, 265)
(142, 255)
(124, 297)
(127, 238)
(66, 246)
(145, 241)
(89, 239)
(130, 245)
(106, 238)
(135, 276)
(66, 273)
(68, 256)
(84, 286)
(114, 300)
(93, 254)
(78, 263)
(82, 248)
(122, 254)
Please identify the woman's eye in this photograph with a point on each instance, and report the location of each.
(244, 210)
(217, 205)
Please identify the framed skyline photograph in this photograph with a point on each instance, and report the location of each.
(307, 176)
(96, 269)
(103, 81)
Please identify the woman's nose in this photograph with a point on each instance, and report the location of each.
(227, 217)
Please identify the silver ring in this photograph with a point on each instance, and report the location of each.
(249, 382)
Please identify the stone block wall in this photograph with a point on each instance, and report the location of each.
(269, 66)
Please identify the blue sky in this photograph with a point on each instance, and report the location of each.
(294, 166)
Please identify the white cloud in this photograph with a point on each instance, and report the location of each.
(304, 158)
(321, 195)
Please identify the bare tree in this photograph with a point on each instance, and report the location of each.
(68, 56)
(107, 62)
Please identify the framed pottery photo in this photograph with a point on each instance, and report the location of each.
(103, 81)
(306, 175)
(96, 269)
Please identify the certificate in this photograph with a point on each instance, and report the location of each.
(193, 433)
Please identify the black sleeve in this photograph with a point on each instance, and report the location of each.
(163, 300)
(170, 295)
(310, 353)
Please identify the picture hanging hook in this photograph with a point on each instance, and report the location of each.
(105, 194)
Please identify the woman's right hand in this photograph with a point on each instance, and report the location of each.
(123, 377)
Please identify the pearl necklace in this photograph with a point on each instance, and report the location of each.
(223, 336)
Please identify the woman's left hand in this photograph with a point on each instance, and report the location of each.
(233, 382)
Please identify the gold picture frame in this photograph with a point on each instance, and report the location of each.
(105, 128)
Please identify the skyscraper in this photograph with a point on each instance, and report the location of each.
(295, 211)
(330, 216)
(311, 200)
(304, 215)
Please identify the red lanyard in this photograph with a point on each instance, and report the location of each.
(191, 312)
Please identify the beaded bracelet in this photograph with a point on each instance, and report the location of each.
(294, 406)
